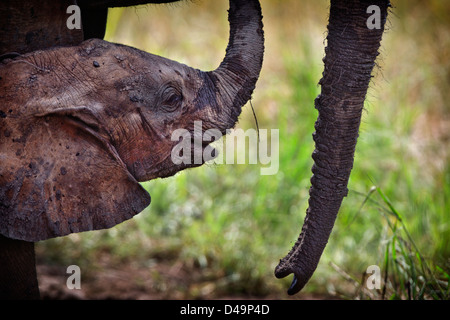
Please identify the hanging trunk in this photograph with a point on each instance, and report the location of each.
(350, 57)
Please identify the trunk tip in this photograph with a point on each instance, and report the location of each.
(294, 287)
(298, 281)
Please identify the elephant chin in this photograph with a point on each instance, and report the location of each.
(174, 163)
(349, 59)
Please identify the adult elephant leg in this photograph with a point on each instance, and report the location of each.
(350, 57)
(17, 270)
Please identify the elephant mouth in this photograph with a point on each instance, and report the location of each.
(171, 164)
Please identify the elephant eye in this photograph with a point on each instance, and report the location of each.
(171, 99)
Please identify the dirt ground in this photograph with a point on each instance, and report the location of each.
(131, 282)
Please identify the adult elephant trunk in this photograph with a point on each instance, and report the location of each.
(354, 35)
(236, 76)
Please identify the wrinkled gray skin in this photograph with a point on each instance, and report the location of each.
(81, 125)
(349, 59)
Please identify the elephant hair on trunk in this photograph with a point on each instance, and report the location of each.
(349, 59)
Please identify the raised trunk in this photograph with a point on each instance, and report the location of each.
(236, 76)
(350, 57)
(40, 198)
(17, 270)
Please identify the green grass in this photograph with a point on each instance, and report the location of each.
(405, 272)
(232, 225)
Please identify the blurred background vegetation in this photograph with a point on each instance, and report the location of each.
(220, 230)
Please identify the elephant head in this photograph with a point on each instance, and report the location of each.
(80, 126)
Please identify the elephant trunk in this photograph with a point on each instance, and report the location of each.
(236, 76)
(350, 57)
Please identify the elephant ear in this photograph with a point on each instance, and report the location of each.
(59, 176)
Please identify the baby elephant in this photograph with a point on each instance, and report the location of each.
(81, 126)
